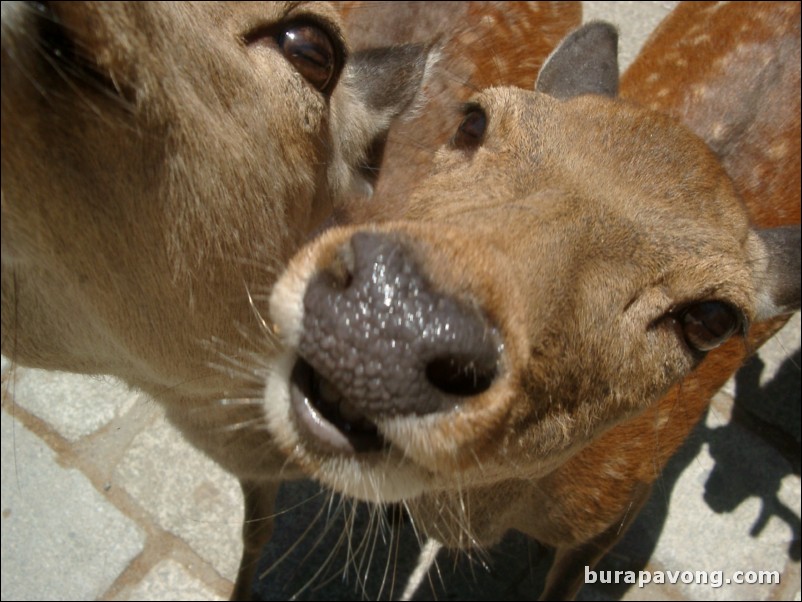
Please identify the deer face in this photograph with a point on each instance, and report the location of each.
(570, 258)
(161, 163)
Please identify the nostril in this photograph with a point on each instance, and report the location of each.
(387, 340)
(460, 376)
(339, 273)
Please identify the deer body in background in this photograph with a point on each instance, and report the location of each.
(528, 340)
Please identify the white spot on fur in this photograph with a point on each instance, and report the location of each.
(778, 151)
(718, 130)
(662, 418)
(700, 91)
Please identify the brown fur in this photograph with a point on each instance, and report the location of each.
(580, 228)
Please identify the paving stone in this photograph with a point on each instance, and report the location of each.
(186, 493)
(62, 540)
(765, 495)
(168, 581)
(74, 405)
(635, 22)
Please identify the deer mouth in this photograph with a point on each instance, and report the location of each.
(330, 419)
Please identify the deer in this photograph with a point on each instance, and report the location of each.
(162, 162)
(479, 44)
(528, 339)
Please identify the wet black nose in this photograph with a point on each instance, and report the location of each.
(386, 341)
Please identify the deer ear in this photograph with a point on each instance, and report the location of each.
(586, 62)
(777, 282)
(388, 79)
(382, 83)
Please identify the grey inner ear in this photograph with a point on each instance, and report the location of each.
(780, 286)
(386, 80)
(586, 62)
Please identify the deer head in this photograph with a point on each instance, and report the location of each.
(569, 259)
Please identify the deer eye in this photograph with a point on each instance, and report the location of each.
(314, 54)
(707, 325)
(471, 131)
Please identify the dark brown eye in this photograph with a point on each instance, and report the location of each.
(311, 50)
(471, 131)
(707, 325)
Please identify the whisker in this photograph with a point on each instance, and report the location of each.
(287, 553)
(325, 564)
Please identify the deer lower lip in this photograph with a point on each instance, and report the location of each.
(331, 421)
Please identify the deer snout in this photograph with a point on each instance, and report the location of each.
(381, 341)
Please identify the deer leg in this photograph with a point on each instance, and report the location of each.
(566, 575)
(257, 529)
